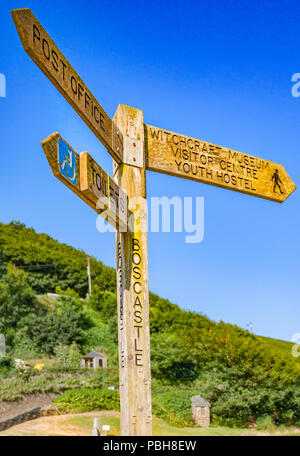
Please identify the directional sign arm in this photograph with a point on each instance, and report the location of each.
(178, 155)
(51, 148)
(82, 174)
(98, 186)
(44, 52)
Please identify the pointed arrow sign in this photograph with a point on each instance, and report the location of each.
(87, 179)
(171, 153)
(44, 52)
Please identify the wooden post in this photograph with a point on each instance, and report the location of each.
(132, 281)
(89, 276)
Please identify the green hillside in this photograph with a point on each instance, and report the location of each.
(245, 377)
(281, 345)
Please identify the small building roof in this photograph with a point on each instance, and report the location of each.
(199, 401)
(94, 354)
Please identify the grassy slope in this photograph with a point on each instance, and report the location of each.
(281, 345)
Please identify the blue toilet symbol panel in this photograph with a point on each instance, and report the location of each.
(67, 162)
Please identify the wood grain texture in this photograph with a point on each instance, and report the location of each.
(44, 52)
(133, 291)
(100, 188)
(178, 155)
(50, 147)
(88, 186)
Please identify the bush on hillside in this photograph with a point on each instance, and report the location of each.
(74, 356)
(67, 357)
(47, 330)
(7, 367)
(17, 300)
(87, 400)
(50, 263)
(105, 303)
(174, 407)
(107, 377)
(265, 423)
(171, 361)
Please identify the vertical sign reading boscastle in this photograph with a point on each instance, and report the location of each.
(132, 280)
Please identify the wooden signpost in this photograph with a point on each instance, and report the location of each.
(102, 190)
(132, 283)
(182, 156)
(87, 179)
(135, 147)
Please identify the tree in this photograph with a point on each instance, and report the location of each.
(17, 300)
(61, 356)
(63, 326)
(74, 356)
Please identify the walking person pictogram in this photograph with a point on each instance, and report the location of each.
(277, 181)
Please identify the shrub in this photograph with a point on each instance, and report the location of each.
(265, 422)
(106, 377)
(174, 407)
(67, 357)
(7, 367)
(48, 330)
(17, 300)
(74, 356)
(61, 361)
(87, 400)
(171, 362)
(24, 347)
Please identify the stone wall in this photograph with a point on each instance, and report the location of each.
(26, 415)
(29, 414)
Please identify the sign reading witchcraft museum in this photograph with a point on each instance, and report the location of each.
(182, 156)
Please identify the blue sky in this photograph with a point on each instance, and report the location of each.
(214, 70)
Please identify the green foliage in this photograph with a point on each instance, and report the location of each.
(68, 292)
(61, 360)
(243, 376)
(67, 358)
(46, 331)
(64, 325)
(24, 347)
(49, 380)
(107, 377)
(103, 341)
(6, 362)
(265, 423)
(17, 300)
(7, 367)
(50, 264)
(171, 362)
(74, 356)
(174, 407)
(105, 304)
(86, 400)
